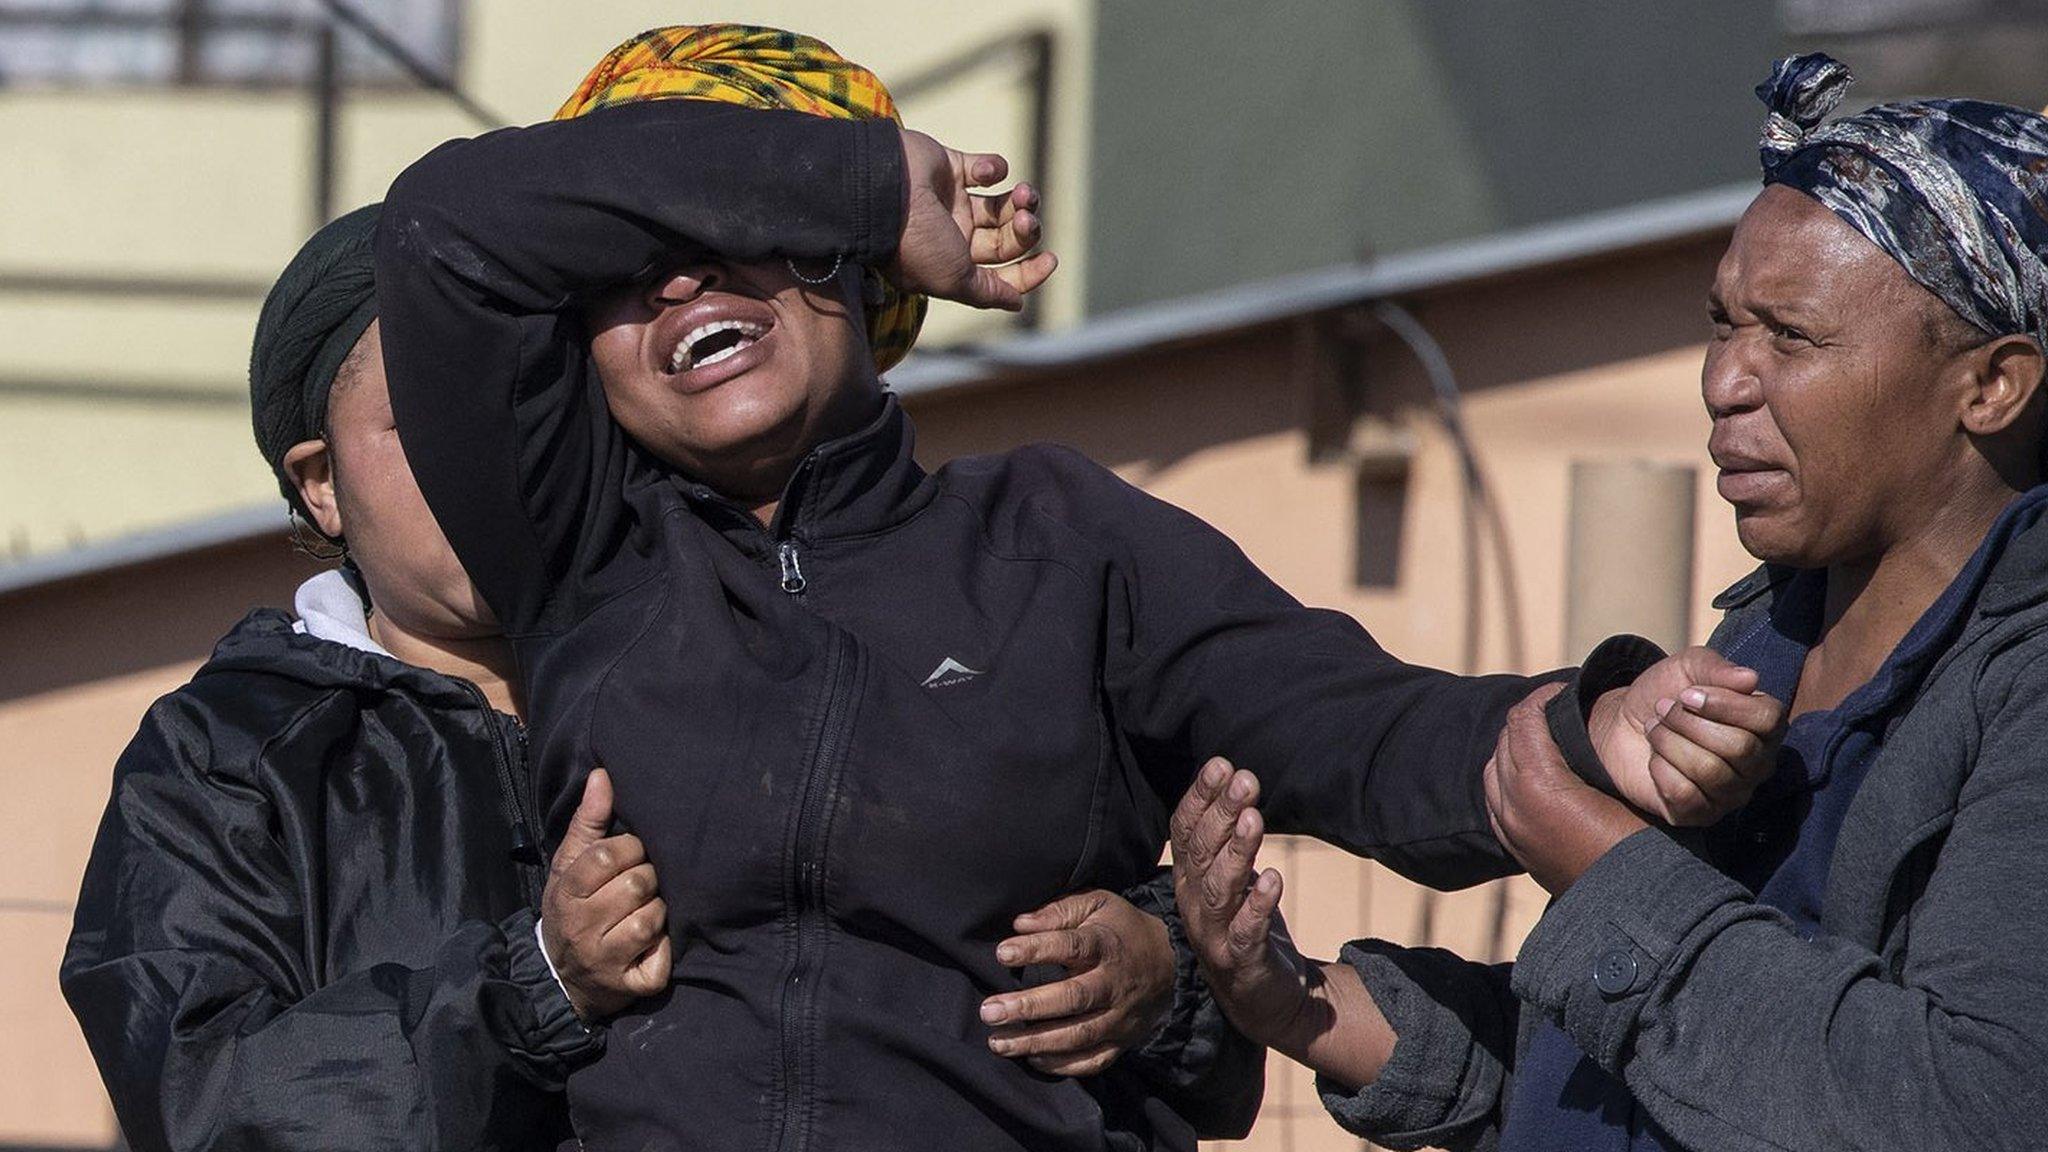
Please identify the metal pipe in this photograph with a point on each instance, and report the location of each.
(423, 73)
(191, 18)
(1480, 510)
(67, 283)
(73, 17)
(963, 63)
(326, 121)
(1040, 47)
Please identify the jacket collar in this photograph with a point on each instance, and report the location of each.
(268, 642)
(330, 608)
(1766, 578)
(857, 485)
(2020, 577)
(1908, 796)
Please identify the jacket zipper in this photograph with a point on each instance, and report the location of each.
(525, 850)
(782, 530)
(793, 581)
(806, 889)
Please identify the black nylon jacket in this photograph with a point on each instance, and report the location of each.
(302, 926)
(860, 740)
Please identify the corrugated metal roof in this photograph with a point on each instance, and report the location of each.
(1106, 338)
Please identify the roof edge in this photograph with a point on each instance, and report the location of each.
(142, 548)
(1112, 336)
(1241, 306)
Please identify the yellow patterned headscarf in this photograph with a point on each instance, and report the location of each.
(758, 68)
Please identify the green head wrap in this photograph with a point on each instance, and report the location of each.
(310, 322)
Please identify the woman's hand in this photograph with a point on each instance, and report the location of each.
(1257, 977)
(1551, 821)
(1119, 984)
(1318, 1014)
(962, 246)
(603, 922)
(1690, 740)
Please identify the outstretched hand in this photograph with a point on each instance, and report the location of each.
(1118, 987)
(1257, 977)
(1316, 1013)
(964, 246)
(603, 922)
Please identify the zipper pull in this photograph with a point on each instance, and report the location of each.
(524, 850)
(792, 573)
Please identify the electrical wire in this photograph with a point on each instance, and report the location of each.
(1478, 510)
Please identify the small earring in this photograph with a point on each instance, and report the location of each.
(825, 279)
(309, 540)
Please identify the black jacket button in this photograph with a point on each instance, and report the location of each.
(1615, 972)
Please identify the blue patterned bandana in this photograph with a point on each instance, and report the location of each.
(1955, 190)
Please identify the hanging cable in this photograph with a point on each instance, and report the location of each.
(1478, 509)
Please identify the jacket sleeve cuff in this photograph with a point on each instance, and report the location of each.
(1452, 1019)
(880, 190)
(554, 1040)
(1592, 960)
(1615, 663)
(1182, 1042)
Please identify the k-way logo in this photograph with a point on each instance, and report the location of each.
(950, 672)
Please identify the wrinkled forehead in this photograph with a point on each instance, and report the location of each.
(1788, 244)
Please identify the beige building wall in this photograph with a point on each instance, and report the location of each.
(125, 408)
(79, 664)
(1595, 361)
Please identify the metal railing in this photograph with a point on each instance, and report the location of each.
(326, 84)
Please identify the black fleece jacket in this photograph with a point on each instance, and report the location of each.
(861, 739)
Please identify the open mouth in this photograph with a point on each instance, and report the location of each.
(710, 343)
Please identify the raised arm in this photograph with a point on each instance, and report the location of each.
(1208, 657)
(486, 246)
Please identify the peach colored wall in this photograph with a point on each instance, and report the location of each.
(79, 664)
(60, 746)
(1594, 361)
